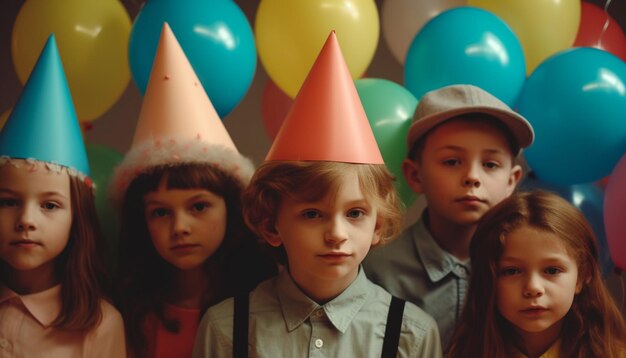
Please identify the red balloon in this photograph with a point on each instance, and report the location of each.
(275, 105)
(592, 22)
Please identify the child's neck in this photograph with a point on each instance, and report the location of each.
(535, 344)
(189, 288)
(30, 281)
(451, 237)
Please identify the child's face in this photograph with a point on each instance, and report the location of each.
(466, 168)
(35, 217)
(326, 240)
(537, 282)
(186, 226)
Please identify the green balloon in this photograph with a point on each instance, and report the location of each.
(389, 108)
(102, 160)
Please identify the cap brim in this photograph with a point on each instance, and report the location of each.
(520, 128)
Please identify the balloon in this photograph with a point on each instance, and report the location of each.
(291, 33)
(102, 160)
(466, 46)
(401, 20)
(275, 105)
(591, 32)
(589, 199)
(544, 27)
(576, 102)
(217, 40)
(91, 37)
(389, 108)
(614, 209)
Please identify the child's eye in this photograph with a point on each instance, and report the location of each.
(553, 270)
(159, 213)
(8, 203)
(311, 214)
(491, 165)
(509, 271)
(355, 213)
(49, 205)
(451, 162)
(199, 207)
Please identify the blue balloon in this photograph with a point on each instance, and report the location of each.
(217, 40)
(466, 45)
(576, 102)
(589, 199)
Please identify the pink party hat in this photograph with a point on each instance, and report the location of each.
(177, 123)
(327, 121)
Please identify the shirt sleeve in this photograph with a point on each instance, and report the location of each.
(107, 339)
(214, 337)
(430, 345)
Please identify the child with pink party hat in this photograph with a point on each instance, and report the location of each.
(323, 197)
(52, 276)
(183, 243)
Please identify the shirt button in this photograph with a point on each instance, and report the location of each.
(4, 343)
(319, 313)
(319, 343)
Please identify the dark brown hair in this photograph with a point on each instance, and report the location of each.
(311, 181)
(593, 327)
(144, 277)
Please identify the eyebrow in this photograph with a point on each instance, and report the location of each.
(461, 149)
(47, 193)
(193, 198)
(554, 258)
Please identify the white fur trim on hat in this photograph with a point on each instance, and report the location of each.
(32, 164)
(162, 152)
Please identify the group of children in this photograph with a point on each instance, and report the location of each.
(217, 259)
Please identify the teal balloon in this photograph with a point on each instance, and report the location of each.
(216, 38)
(466, 45)
(103, 160)
(576, 102)
(389, 108)
(43, 124)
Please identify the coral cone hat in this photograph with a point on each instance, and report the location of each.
(327, 121)
(177, 123)
(43, 126)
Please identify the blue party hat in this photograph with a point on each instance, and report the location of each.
(43, 125)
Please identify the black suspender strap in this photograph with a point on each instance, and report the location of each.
(392, 330)
(240, 326)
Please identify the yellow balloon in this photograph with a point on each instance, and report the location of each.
(289, 35)
(544, 27)
(92, 37)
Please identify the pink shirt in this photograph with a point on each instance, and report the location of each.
(25, 331)
(173, 345)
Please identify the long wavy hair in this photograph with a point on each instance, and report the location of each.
(593, 327)
(144, 277)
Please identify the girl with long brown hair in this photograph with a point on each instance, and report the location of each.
(536, 289)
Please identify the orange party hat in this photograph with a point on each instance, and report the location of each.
(327, 121)
(177, 124)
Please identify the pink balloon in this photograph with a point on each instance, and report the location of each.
(274, 107)
(615, 214)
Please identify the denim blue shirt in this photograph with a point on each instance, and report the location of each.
(285, 322)
(415, 268)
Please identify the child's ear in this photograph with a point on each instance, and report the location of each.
(581, 283)
(270, 234)
(377, 232)
(411, 173)
(514, 178)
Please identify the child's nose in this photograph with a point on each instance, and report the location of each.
(533, 287)
(26, 219)
(472, 177)
(336, 231)
(180, 226)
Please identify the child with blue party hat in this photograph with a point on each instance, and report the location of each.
(51, 274)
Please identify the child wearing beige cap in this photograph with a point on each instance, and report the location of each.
(463, 147)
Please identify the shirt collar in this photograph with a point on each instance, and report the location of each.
(297, 307)
(44, 306)
(553, 352)
(438, 263)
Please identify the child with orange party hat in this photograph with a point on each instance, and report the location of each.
(183, 243)
(324, 196)
(51, 272)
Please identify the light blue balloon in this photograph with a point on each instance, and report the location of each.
(589, 199)
(466, 45)
(216, 38)
(576, 102)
